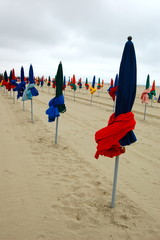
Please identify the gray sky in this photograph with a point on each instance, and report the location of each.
(88, 36)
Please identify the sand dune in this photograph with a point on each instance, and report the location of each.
(61, 192)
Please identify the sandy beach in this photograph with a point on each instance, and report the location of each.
(60, 191)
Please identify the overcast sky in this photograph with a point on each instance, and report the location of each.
(88, 36)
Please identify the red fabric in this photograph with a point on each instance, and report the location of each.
(112, 92)
(153, 86)
(107, 138)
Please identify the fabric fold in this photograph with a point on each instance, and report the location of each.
(108, 138)
(55, 107)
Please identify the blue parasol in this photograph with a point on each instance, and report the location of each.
(30, 90)
(93, 82)
(127, 87)
(125, 98)
(118, 133)
(20, 87)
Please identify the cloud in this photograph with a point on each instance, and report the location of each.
(88, 36)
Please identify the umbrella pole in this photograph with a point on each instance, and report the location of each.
(13, 96)
(74, 95)
(56, 135)
(145, 107)
(31, 111)
(115, 181)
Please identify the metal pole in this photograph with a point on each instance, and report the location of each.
(145, 107)
(115, 181)
(13, 96)
(23, 105)
(74, 95)
(56, 135)
(31, 111)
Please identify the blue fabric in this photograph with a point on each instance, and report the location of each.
(109, 88)
(20, 89)
(93, 82)
(127, 87)
(31, 75)
(34, 91)
(53, 111)
(14, 82)
(22, 74)
(42, 83)
(116, 81)
(29, 92)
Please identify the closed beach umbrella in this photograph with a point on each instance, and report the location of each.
(92, 88)
(152, 91)
(93, 81)
(49, 81)
(114, 88)
(127, 87)
(112, 139)
(30, 90)
(111, 85)
(56, 104)
(148, 82)
(22, 74)
(86, 84)
(20, 87)
(73, 84)
(145, 95)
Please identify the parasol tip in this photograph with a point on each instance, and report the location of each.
(129, 38)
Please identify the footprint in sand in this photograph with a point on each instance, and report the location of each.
(40, 237)
(8, 172)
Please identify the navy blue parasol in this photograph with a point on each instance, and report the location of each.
(22, 74)
(31, 75)
(125, 99)
(127, 87)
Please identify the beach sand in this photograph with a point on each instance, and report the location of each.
(60, 191)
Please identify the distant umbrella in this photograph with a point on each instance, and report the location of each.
(5, 76)
(80, 83)
(114, 88)
(73, 84)
(64, 84)
(112, 139)
(92, 88)
(49, 81)
(30, 90)
(4, 80)
(42, 82)
(111, 85)
(20, 87)
(152, 92)
(99, 85)
(148, 82)
(86, 84)
(22, 74)
(145, 95)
